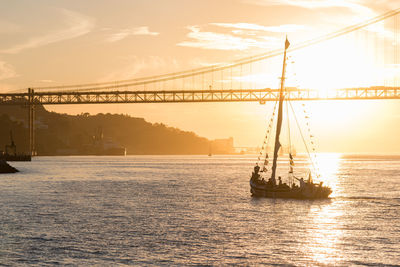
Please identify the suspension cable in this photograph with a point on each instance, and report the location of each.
(218, 67)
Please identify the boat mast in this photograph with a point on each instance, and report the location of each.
(279, 122)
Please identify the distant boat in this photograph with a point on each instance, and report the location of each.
(260, 187)
(10, 153)
(102, 146)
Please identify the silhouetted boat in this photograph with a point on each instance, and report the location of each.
(102, 146)
(261, 188)
(10, 153)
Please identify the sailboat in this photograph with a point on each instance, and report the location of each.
(260, 187)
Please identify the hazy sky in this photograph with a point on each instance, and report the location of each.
(45, 43)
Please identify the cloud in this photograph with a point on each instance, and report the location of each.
(77, 25)
(133, 66)
(220, 41)
(7, 71)
(353, 5)
(124, 33)
(255, 27)
(46, 81)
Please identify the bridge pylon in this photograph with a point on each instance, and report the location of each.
(31, 121)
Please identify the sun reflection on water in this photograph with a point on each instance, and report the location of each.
(324, 232)
(328, 167)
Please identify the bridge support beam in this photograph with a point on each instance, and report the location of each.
(31, 122)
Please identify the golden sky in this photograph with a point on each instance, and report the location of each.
(46, 43)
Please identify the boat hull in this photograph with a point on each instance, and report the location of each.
(308, 192)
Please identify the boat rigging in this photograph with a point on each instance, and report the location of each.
(260, 187)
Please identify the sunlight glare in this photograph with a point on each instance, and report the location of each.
(328, 165)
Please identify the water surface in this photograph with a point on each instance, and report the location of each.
(195, 210)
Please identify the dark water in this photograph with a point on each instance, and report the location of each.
(194, 210)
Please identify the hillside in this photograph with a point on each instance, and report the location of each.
(62, 134)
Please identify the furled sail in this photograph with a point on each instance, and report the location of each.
(279, 122)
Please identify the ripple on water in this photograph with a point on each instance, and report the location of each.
(193, 210)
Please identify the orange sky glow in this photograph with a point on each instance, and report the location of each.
(47, 43)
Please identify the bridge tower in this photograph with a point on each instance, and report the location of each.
(31, 123)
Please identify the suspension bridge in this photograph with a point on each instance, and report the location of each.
(370, 50)
(187, 96)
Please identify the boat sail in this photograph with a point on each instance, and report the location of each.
(259, 187)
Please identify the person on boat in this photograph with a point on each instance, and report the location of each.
(269, 183)
(302, 183)
(255, 175)
(256, 169)
(280, 181)
(273, 181)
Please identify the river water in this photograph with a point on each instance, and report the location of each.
(195, 210)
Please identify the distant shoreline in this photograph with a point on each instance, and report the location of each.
(300, 155)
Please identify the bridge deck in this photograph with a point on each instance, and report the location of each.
(179, 96)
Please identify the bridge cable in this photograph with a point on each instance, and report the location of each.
(213, 68)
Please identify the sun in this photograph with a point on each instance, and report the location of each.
(335, 64)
